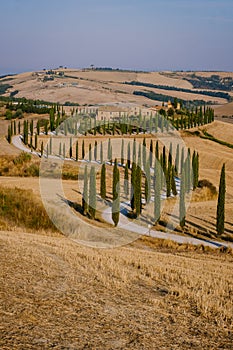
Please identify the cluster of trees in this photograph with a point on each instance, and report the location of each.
(174, 88)
(214, 82)
(27, 106)
(146, 175)
(165, 98)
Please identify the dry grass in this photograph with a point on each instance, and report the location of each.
(100, 87)
(21, 208)
(60, 295)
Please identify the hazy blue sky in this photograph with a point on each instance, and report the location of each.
(145, 34)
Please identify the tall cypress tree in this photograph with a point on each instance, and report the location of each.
(138, 191)
(92, 193)
(147, 181)
(71, 153)
(139, 155)
(36, 141)
(85, 193)
(128, 155)
(221, 203)
(101, 153)
(109, 150)
(182, 160)
(9, 135)
(188, 171)
(134, 151)
(50, 145)
(76, 151)
(151, 153)
(42, 149)
(122, 152)
(83, 150)
(182, 200)
(157, 192)
(173, 182)
(126, 180)
(133, 182)
(103, 182)
(144, 153)
(157, 150)
(116, 194)
(90, 153)
(95, 151)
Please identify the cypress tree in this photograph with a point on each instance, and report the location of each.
(126, 181)
(31, 142)
(182, 200)
(111, 160)
(9, 135)
(95, 151)
(194, 168)
(151, 152)
(157, 150)
(92, 193)
(173, 182)
(128, 156)
(101, 153)
(50, 145)
(134, 151)
(76, 151)
(122, 152)
(147, 181)
(138, 191)
(83, 150)
(38, 127)
(144, 153)
(116, 194)
(90, 153)
(168, 175)
(221, 203)
(157, 192)
(42, 149)
(133, 181)
(36, 141)
(19, 127)
(182, 160)
(139, 155)
(164, 160)
(109, 150)
(85, 193)
(31, 127)
(70, 150)
(188, 171)
(177, 160)
(103, 182)
(14, 127)
(46, 127)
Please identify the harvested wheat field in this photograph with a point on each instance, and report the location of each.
(57, 294)
(95, 87)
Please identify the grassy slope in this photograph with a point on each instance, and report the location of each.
(61, 295)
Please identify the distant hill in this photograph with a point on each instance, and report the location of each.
(96, 86)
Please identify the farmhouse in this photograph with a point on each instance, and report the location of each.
(111, 112)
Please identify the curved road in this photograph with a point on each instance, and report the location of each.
(126, 224)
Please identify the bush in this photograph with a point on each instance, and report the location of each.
(209, 185)
(22, 158)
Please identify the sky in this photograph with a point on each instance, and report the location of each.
(128, 34)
